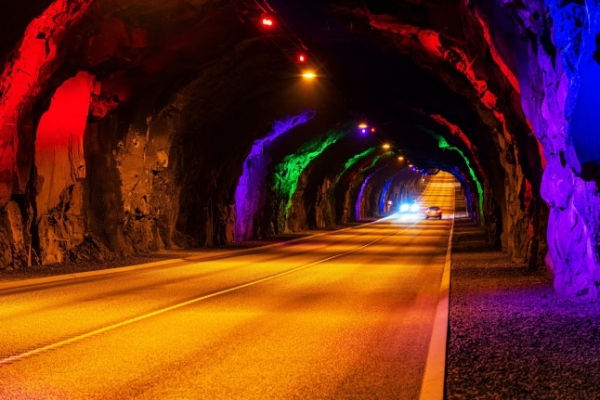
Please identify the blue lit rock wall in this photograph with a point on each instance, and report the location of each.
(560, 97)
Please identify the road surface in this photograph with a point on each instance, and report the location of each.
(341, 315)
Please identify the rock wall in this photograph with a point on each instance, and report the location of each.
(559, 57)
(324, 207)
(150, 197)
(25, 77)
(60, 166)
(166, 139)
(252, 186)
(14, 245)
(466, 59)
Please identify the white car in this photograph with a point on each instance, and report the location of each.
(433, 212)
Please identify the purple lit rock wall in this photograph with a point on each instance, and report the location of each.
(250, 191)
(361, 201)
(560, 85)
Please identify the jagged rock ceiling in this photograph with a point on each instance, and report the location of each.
(129, 126)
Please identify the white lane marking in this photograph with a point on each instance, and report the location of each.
(170, 262)
(77, 338)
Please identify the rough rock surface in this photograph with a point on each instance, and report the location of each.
(553, 100)
(169, 100)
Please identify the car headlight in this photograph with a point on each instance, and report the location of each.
(404, 207)
(414, 207)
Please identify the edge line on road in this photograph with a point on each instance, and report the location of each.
(432, 387)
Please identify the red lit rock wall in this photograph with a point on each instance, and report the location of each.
(60, 167)
(24, 78)
(24, 83)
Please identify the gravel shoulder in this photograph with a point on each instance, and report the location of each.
(510, 335)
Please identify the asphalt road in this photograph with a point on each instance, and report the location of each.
(342, 315)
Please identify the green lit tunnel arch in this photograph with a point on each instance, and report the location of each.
(443, 145)
(345, 179)
(294, 172)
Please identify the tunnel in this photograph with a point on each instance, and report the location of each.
(129, 126)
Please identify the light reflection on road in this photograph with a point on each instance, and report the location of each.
(346, 314)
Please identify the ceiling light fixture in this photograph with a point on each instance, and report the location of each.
(309, 75)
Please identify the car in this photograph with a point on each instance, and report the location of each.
(433, 212)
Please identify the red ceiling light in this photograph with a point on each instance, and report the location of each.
(301, 58)
(267, 21)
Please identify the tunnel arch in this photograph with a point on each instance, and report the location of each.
(319, 196)
(249, 198)
(499, 83)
